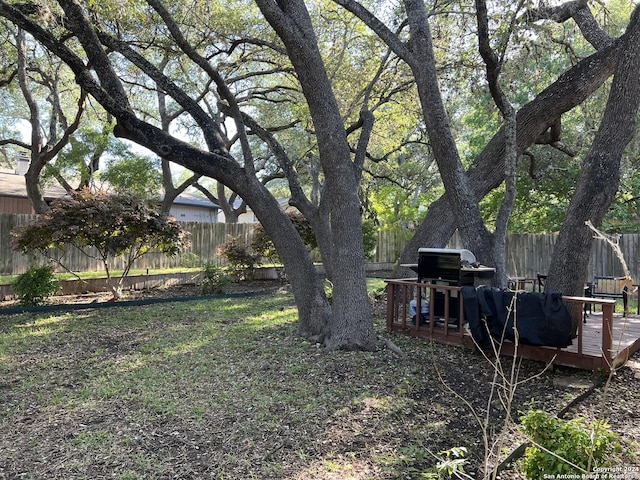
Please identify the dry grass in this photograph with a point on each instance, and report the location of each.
(225, 389)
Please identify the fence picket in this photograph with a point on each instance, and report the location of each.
(527, 254)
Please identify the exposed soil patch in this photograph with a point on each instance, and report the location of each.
(172, 291)
(172, 396)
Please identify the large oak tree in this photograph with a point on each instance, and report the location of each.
(347, 322)
(100, 50)
(534, 123)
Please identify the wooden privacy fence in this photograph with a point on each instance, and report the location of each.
(527, 254)
(205, 238)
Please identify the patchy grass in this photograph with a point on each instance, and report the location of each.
(7, 279)
(225, 389)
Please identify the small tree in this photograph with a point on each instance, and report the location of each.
(114, 225)
(240, 257)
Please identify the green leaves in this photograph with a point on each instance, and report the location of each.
(36, 284)
(565, 446)
(134, 174)
(113, 224)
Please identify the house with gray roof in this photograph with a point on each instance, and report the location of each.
(188, 207)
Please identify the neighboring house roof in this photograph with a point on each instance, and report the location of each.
(283, 202)
(186, 198)
(13, 185)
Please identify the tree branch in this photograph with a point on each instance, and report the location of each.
(203, 63)
(579, 11)
(370, 20)
(13, 141)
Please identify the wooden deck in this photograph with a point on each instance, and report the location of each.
(605, 341)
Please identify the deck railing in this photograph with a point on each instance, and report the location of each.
(401, 292)
(607, 305)
(447, 324)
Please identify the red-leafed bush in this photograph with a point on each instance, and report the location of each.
(242, 261)
(102, 226)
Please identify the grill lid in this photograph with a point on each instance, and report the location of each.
(466, 257)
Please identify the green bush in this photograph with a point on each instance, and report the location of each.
(36, 284)
(215, 278)
(189, 260)
(369, 238)
(575, 446)
(240, 257)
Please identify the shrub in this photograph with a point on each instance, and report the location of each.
(263, 245)
(240, 257)
(189, 260)
(571, 442)
(369, 238)
(214, 279)
(114, 225)
(36, 284)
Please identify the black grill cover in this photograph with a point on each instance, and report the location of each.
(542, 318)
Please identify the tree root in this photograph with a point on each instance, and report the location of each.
(393, 347)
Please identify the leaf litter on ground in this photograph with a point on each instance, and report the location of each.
(224, 388)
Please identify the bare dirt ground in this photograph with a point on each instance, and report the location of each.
(564, 391)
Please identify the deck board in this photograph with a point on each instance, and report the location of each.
(626, 331)
(585, 351)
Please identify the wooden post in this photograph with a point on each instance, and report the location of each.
(432, 300)
(391, 301)
(460, 314)
(418, 307)
(405, 300)
(607, 334)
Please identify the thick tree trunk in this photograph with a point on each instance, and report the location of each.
(34, 192)
(314, 312)
(459, 192)
(351, 323)
(494, 67)
(487, 173)
(600, 176)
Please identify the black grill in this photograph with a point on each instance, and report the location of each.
(437, 264)
(449, 267)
